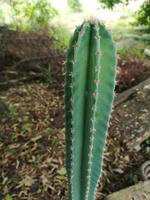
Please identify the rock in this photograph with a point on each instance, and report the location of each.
(132, 107)
(145, 170)
(140, 191)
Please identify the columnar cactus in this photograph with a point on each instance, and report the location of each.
(89, 91)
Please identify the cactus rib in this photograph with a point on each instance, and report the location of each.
(89, 91)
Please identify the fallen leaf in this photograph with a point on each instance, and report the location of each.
(62, 171)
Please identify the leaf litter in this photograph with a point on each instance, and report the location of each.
(32, 148)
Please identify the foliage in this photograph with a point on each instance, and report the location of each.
(90, 80)
(143, 15)
(111, 3)
(60, 40)
(30, 15)
(1, 15)
(130, 43)
(74, 5)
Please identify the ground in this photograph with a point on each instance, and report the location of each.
(32, 139)
(32, 145)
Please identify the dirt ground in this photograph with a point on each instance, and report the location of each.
(32, 141)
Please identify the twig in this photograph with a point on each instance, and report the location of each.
(14, 81)
(28, 60)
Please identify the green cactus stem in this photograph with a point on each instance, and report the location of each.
(89, 90)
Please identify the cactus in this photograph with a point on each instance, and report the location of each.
(89, 90)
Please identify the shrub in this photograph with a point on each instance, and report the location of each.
(143, 15)
(29, 15)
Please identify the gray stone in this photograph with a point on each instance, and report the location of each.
(140, 191)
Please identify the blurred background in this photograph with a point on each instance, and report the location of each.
(129, 21)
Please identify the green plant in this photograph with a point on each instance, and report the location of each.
(8, 197)
(143, 15)
(31, 15)
(75, 5)
(60, 40)
(89, 91)
(112, 3)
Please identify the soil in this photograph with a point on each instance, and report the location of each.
(23, 54)
(32, 142)
(131, 71)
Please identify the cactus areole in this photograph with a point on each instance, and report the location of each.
(89, 90)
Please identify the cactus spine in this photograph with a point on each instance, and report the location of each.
(89, 91)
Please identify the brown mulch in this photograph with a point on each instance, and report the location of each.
(32, 147)
(32, 143)
(30, 56)
(18, 45)
(131, 71)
